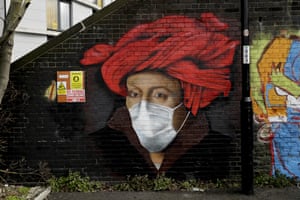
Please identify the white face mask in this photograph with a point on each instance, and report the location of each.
(153, 124)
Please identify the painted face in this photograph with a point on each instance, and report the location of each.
(155, 87)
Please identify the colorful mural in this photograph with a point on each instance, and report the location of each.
(168, 71)
(275, 91)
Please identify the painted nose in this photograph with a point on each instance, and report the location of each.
(145, 98)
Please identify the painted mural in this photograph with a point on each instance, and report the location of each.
(166, 74)
(275, 91)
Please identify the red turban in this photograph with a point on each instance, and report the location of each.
(194, 51)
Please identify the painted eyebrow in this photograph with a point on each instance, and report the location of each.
(151, 89)
(162, 87)
(132, 85)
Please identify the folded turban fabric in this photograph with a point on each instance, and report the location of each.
(194, 51)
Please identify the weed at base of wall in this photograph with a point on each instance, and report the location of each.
(74, 182)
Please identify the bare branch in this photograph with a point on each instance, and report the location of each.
(15, 13)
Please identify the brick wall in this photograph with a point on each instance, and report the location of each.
(274, 71)
(75, 136)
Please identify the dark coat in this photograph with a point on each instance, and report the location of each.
(196, 152)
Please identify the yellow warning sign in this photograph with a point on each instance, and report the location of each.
(61, 88)
(70, 86)
(76, 80)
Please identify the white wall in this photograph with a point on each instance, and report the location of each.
(2, 15)
(7, 4)
(32, 30)
(26, 42)
(80, 12)
(107, 2)
(34, 19)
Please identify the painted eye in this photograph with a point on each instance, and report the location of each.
(133, 94)
(160, 95)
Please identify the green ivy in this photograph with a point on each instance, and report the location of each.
(19, 194)
(135, 183)
(13, 197)
(23, 190)
(163, 183)
(278, 180)
(74, 182)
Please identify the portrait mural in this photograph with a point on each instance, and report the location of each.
(167, 72)
(153, 87)
(275, 93)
